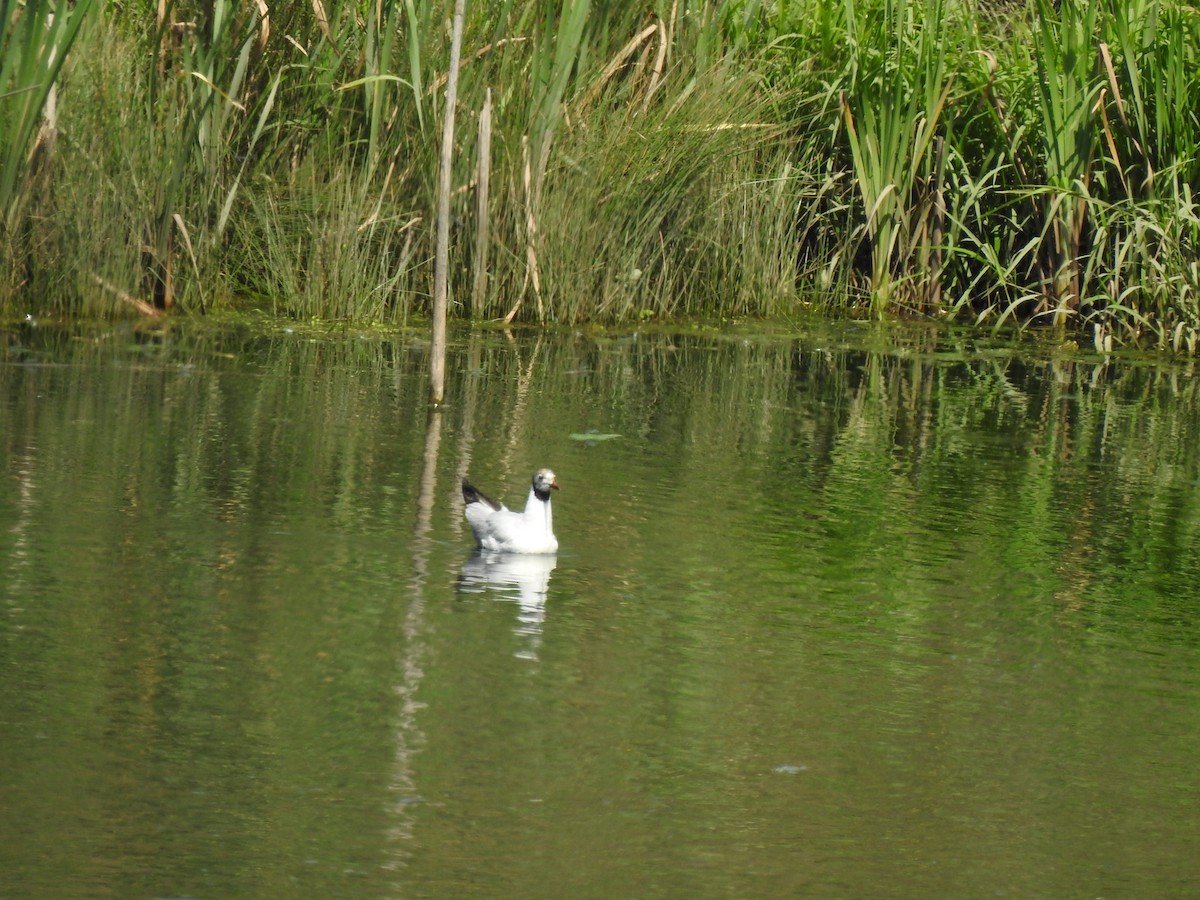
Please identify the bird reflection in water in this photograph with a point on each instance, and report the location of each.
(520, 577)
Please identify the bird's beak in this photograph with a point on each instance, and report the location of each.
(554, 485)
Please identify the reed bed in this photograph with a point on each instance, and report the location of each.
(1012, 162)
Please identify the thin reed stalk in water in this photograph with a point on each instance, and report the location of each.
(437, 350)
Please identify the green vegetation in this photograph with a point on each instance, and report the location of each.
(998, 162)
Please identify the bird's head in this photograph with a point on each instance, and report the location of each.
(544, 482)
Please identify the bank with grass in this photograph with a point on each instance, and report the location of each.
(1021, 162)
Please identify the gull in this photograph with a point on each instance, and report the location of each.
(499, 528)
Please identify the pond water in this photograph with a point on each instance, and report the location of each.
(837, 613)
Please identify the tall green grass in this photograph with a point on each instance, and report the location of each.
(1009, 163)
(897, 87)
(1067, 70)
(35, 40)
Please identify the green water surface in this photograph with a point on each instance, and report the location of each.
(834, 615)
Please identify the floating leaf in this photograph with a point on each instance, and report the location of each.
(790, 769)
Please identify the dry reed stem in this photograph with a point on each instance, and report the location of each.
(479, 288)
(1119, 102)
(323, 23)
(187, 242)
(656, 79)
(616, 62)
(1106, 58)
(370, 221)
(530, 231)
(939, 224)
(478, 54)
(204, 79)
(441, 266)
(125, 297)
(264, 24)
(1110, 140)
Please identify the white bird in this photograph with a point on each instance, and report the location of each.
(498, 528)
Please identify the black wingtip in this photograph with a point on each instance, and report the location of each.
(472, 494)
